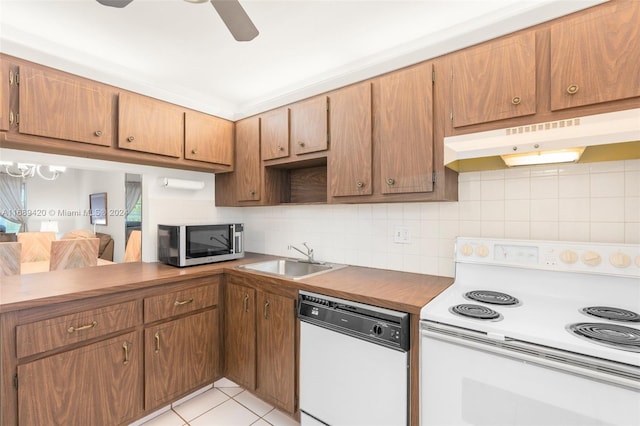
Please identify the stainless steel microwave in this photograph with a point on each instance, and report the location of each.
(188, 245)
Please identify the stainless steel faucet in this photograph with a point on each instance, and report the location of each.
(309, 252)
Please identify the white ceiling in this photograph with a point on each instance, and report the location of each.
(182, 52)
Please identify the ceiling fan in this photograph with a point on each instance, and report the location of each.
(231, 12)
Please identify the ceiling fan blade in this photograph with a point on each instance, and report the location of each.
(114, 3)
(236, 19)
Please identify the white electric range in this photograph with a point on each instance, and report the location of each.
(534, 332)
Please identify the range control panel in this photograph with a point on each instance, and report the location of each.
(603, 258)
(378, 325)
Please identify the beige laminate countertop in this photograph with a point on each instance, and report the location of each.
(392, 289)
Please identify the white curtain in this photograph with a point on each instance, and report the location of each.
(133, 191)
(11, 200)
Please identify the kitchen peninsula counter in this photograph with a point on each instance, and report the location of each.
(391, 289)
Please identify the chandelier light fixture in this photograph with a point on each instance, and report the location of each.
(27, 170)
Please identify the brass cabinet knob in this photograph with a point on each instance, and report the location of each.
(516, 100)
(301, 143)
(573, 89)
(360, 184)
(98, 133)
(130, 139)
(390, 181)
(252, 193)
(194, 151)
(280, 148)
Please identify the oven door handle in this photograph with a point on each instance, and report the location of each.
(606, 371)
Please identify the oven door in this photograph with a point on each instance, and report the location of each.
(467, 380)
(208, 240)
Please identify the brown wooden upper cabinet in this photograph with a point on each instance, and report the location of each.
(149, 125)
(494, 81)
(403, 121)
(350, 158)
(248, 170)
(309, 131)
(58, 105)
(4, 94)
(595, 57)
(274, 129)
(208, 138)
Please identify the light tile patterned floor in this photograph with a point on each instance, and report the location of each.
(226, 404)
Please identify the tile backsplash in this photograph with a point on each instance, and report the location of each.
(597, 202)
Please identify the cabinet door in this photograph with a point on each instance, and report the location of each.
(247, 169)
(494, 81)
(309, 125)
(180, 356)
(274, 130)
(149, 125)
(56, 105)
(404, 122)
(97, 384)
(276, 366)
(596, 57)
(208, 138)
(240, 334)
(349, 162)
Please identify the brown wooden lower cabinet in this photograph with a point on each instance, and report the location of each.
(276, 349)
(110, 361)
(95, 384)
(180, 355)
(261, 340)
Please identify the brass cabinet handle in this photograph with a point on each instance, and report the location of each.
(516, 100)
(573, 89)
(300, 143)
(252, 193)
(266, 309)
(98, 133)
(360, 184)
(125, 348)
(131, 139)
(194, 151)
(82, 327)
(280, 148)
(391, 181)
(245, 302)
(182, 302)
(157, 338)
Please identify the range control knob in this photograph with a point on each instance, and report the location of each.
(482, 251)
(620, 260)
(466, 250)
(591, 258)
(377, 330)
(569, 256)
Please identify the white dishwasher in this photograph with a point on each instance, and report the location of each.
(354, 363)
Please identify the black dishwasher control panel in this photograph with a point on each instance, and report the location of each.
(377, 325)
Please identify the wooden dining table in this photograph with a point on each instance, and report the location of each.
(43, 266)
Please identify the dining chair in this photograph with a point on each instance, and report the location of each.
(133, 250)
(10, 258)
(71, 254)
(36, 246)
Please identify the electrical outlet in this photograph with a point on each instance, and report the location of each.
(401, 235)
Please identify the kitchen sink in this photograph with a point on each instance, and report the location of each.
(291, 268)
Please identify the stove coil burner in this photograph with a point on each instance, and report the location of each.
(492, 297)
(614, 314)
(476, 312)
(611, 335)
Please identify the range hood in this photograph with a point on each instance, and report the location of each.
(602, 137)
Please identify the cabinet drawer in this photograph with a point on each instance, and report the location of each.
(45, 335)
(180, 302)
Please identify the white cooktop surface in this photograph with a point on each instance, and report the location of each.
(553, 281)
